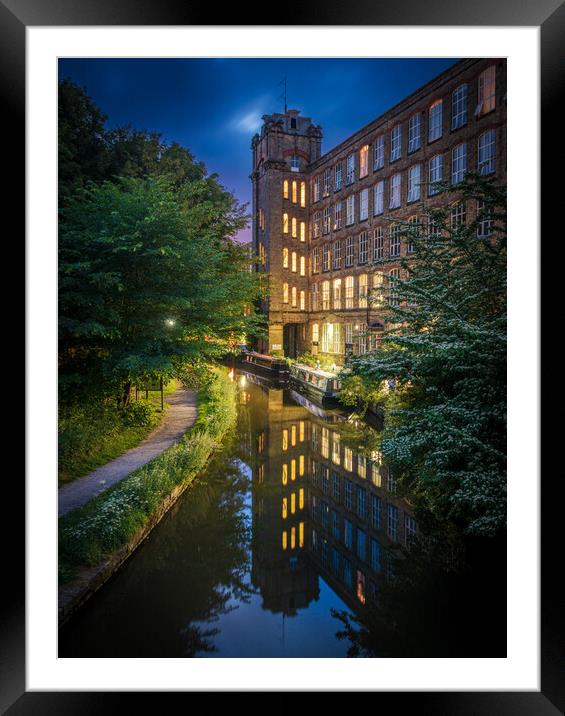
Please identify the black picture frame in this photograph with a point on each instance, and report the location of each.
(15, 16)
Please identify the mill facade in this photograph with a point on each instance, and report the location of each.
(326, 227)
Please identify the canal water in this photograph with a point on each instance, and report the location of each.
(293, 543)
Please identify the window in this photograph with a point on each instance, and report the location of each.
(348, 497)
(487, 91)
(378, 289)
(261, 219)
(285, 223)
(350, 210)
(363, 161)
(458, 163)
(316, 225)
(294, 192)
(363, 248)
(379, 153)
(414, 132)
(285, 258)
(314, 300)
(394, 245)
(395, 142)
(435, 121)
(414, 180)
(378, 244)
(362, 466)
(349, 291)
(285, 292)
(302, 231)
(458, 215)
(361, 502)
(326, 257)
(302, 300)
(315, 339)
(392, 522)
(484, 220)
(434, 229)
(337, 255)
(350, 178)
(293, 123)
(295, 162)
(338, 176)
(459, 107)
(331, 339)
(338, 215)
(349, 251)
(409, 530)
(347, 526)
(294, 230)
(325, 296)
(349, 334)
(363, 290)
(363, 205)
(375, 555)
(393, 278)
(303, 193)
(285, 189)
(316, 189)
(436, 173)
(413, 225)
(326, 182)
(379, 192)
(337, 293)
(293, 263)
(303, 266)
(316, 260)
(326, 220)
(376, 511)
(487, 151)
(361, 545)
(293, 295)
(395, 191)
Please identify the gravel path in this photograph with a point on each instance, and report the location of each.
(180, 416)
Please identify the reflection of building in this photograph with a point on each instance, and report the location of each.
(318, 508)
(326, 227)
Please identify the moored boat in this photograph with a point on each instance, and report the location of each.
(321, 385)
(270, 366)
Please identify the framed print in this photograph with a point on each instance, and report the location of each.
(354, 182)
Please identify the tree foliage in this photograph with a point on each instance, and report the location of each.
(445, 431)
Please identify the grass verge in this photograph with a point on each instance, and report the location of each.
(91, 533)
(93, 434)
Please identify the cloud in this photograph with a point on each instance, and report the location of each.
(247, 123)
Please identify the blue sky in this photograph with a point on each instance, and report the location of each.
(214, 106)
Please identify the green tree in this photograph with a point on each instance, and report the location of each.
(149, 276)
(445, 427)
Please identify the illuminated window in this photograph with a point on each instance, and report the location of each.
(285, 258)
(458, 163)
(348, 459)
(303, 193)
(302, 300)
(293, 538)
(336, 451)
(379, 195)
(316, 260)
(292, 503)
(284, 539)
(487, 152)
(284, 508)
(363, 290)
(362, 466)
(285, 223)
(414, 180)
(379, 153)
(349, 291)
(285, 439)
(487, 91)
(414, 132)
(435, 121)
(325, 295)
(294, 232)
(301, 465)
(293, 297)
(293, 261)
(301, 534)
(285, 292)
(294, 192)
(395, 142)
(435, 173)
(395, 191)
(325, 442)
(459, 107)
(285, 189)
(302, 231)
(363, 205)
(364, 161)
(314, 297)
(284, 473)
(293, 469)
(315, 332)
(376, 474)
(337, 293)
(301, 431)
(378, 289)
(326, 257)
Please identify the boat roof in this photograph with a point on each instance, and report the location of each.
(317, 371)
(262, 355)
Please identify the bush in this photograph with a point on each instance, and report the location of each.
(140, 413)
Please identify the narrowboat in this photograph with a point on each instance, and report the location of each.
(318, 384)
(269, 366)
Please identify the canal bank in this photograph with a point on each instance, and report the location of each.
(95, 539)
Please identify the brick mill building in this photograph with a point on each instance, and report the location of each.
(326, 226)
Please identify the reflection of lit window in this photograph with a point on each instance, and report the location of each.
(293, 469)
(301, 498)
(284, 473)
(285, 223)
(284, 508)
(325, 442)
(301, 534)
(261, 442)
(293, 435)
(301, 465)
(293, 538)
(348, 459)
(285, 189)
(293, 503)
(284, 538)
(285, 439)
(301, 428)
(361, 586)
(335, 448)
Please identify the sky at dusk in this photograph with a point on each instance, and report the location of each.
(214, 106)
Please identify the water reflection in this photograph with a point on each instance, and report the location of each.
(286, 546)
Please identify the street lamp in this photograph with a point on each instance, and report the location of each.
(170, 322)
